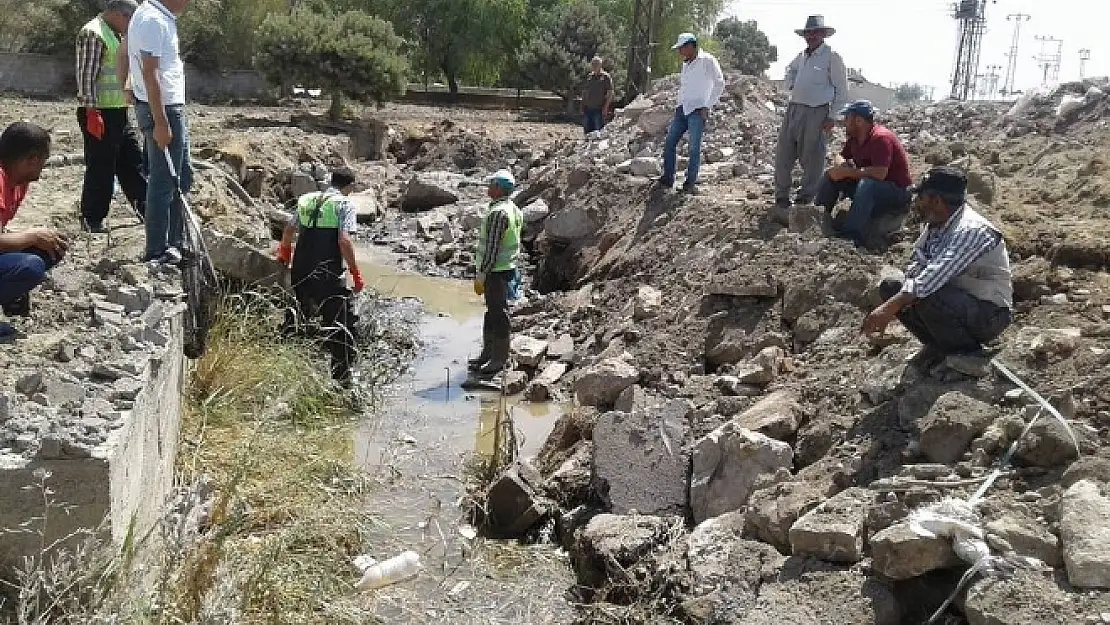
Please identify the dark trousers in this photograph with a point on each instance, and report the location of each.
(331, 301)
(951, 320)
(593, 119)
(115, 156)
(871, 199)
(497, 325)
(21, 272)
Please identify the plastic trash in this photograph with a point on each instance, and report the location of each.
(971, 550)
(1069, 105)
(393, 570)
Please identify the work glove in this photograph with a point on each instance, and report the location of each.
(479, 287)
(284, 254)
(356, 277)
(94, 123)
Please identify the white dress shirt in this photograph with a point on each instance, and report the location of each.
(818, 79)
(702, 83)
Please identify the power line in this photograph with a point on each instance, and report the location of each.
(1084, 56)
(1011, 67)
(1049, 61)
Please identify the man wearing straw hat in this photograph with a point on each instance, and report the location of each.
(818, 85)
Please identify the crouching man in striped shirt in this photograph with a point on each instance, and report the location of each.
(957, 293)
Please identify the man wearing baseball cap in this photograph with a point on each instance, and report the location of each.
(495, 265)
(875, 175)
(957, 292)
(818, 85)
(701, 86)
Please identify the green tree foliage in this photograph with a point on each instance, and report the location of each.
(909, 93)
(351, 54)
(675, 17)
(220, 34)
(558, 55)
(47, 27)
(745, 47)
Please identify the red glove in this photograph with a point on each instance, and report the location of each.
(94, 123)
(356, 277)
(284, 254)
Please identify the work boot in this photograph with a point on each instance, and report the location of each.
(973, 365)
(926, 358)
(474, 364)
(19, 307)
(499, 357)
(690, 189)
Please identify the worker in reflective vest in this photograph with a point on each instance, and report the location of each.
(111, 144)
(498, 250)
(322, 225)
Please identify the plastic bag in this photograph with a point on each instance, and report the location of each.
(1069, 105)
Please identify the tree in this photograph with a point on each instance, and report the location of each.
(909, 93)
(675, 16)
(745, 47)
(352, 54)
(558, 57)
(220, 34)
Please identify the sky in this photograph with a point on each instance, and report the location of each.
(899, 41)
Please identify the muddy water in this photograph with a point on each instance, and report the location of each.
(418, 451)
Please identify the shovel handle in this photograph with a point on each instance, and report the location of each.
(169, 162)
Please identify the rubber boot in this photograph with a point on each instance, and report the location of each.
(499, 357)
(474, 364)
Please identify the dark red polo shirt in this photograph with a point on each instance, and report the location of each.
(882, 149)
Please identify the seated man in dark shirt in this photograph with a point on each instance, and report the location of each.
(876, 175)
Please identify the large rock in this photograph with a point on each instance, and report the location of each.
(808, 592)
(834, 530)
(570, 484)
(528, 351)
(952, 423)
(561, 349)
(1086, 536)
(610, 545)
(729, 464)
(513, 506)
(899, 553)
(763, 368)
(536, 211)
(367, 209)
(721, 560)
(771, 512)
(654, 122)
(648, 302)
(241, 261)
(569, 225)
(426, 191)
(1027, 537)
(639, 461)
(1031, 598)
(543, 387)
(645, 166)
(602, 384)
(1047, 445)
(778, 415)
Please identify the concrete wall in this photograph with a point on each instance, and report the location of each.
(127, 480)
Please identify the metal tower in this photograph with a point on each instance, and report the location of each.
(645, 16)
(972, 18)
(1011, 67)
(988, 86)
(1084, 56)
(1049, 60)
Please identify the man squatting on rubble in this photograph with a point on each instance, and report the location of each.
(111, 145)
(957, 292)
(701, 84)
(495, 260)
(597, 96)
(875, 175)
(25, 257)
(322, 227)
(818, 85)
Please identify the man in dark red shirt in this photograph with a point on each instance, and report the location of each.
(26, 256)
(875, 175)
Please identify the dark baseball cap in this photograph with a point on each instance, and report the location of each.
(946, 180)
(863, 108)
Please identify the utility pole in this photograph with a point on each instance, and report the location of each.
(1011, 67)
(1049, 60)
(988, 86)
(1084, 56)
(971, 16)
(645, 16)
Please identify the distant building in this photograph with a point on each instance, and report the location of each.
(859, 88)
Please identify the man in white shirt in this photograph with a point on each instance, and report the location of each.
(818, 85)
(158, 80)
(702, 84)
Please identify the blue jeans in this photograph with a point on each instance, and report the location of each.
(694, 124)
(870, 199)
(593, 119)
(165, 225)
(20, 272)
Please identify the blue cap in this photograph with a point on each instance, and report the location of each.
(504, 179)
(863, 108)
(684, 39)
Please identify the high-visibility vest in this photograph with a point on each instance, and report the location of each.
(510, 241)
(109, 91)
(318, 255)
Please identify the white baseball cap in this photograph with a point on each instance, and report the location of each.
(503, 177)
(684, 39)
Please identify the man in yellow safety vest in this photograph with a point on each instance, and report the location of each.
(111, 145)
(495, 263)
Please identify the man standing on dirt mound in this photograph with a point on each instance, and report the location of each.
(495, 262)
(111, 146)
(158, 78)
(957, 293)
(25, 257)
(322, 226)
(701, 85)
(818, 85)
(597, 96)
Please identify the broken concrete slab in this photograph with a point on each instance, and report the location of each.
(731, 463)
(241, 261)
(778, 415)
(1085, 535)
(513, 506)
(569, 225)
(1028, 537)
(639, 462)
(719, 558)
(834, 530)
(543, 388)
(1047, 445)
(367, 208)
(428, 190)
(1032, 598)
(602, 384)
(951, 424)
(899, 553)
(561, 349)
(612, 544)
(528, 351)
(648, 302)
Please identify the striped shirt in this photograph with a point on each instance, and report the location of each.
(497, 222)
(946, 251)
(90, 57)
